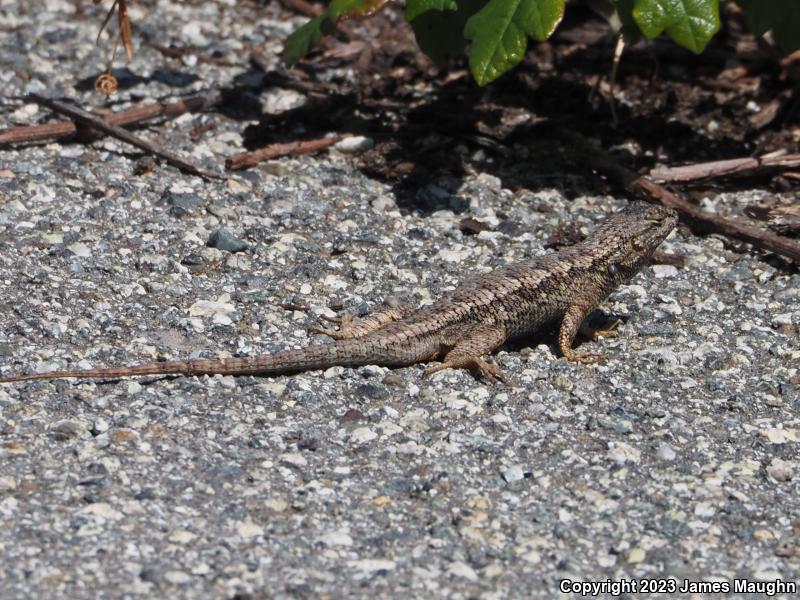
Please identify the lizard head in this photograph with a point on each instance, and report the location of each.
(630, 237)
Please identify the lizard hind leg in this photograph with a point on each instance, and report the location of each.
(351, 328)
(469, 351)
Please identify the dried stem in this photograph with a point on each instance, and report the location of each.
(87, 119)
(245, 160)
(56, 130)
(700, 219)
(725, 168)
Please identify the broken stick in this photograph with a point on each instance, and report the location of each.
(87, 119)
(245, 160)
(725, 168)
(703, 220)
(56, 130)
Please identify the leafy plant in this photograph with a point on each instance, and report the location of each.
(497, 31)
(690, 23)
(303, 39)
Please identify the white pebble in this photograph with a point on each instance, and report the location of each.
(354, 144)
(362, 435)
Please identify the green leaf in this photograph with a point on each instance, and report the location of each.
(499, 33)
(780, 16)
(690, 23)
(440, 35)
(415, 8)
(300, 41)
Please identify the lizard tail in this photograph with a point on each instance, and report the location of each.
(154, 368)
(348, 353)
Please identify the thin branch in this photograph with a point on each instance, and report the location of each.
(725, 168)
(87, 119)
(245, 160)
(56, 130)
(705, 221)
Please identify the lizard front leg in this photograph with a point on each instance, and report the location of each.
(570, 325)
(468, 352)
(350, 328)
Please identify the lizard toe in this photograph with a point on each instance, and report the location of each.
(490, 371)
(345, 331)
(609, 331)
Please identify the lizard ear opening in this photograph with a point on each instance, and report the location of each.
(637, 245)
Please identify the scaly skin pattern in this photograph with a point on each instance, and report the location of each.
(463, 327)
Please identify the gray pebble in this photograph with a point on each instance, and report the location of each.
(223, 239)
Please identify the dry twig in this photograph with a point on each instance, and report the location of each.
(725, 168)
(87, 119)
(56, 130)
(244, 160)
(700, 219)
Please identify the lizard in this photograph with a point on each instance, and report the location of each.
(466, 325)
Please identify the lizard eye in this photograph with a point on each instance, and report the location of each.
(613, 269)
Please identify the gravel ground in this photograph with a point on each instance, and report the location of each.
(675, 458)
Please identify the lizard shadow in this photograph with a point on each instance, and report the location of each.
(115, 380)
(597, 320)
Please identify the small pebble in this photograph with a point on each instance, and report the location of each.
(354, 144)
(666, 452)
(781, 470)
(513, 473)
(362, 435)
(223, 239)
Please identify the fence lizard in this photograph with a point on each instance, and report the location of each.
(465, 326)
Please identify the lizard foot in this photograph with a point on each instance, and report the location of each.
(489, 371)
(585, 358)
(609, 331)
(345, 331)
(351, 327)
(594, 333)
